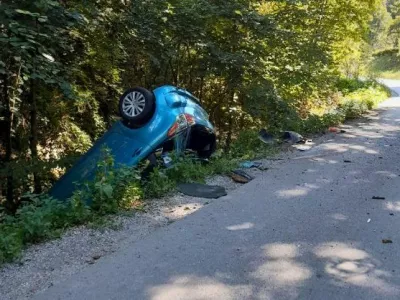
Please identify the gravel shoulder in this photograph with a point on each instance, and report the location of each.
(46, 264)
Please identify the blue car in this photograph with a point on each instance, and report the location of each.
(167, 119)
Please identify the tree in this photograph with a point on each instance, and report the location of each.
(35, 42)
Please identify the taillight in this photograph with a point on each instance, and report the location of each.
(182, 122)
(173, 130)
(190, 119)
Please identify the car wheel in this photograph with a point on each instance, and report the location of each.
(137, 106)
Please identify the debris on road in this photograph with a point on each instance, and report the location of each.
(304, 145)
(387, 241)
(202, 190)
(336, 130)
(250, 164)
(266, 137)
(96, 257)
(347, 161)
(292, 137)
(240, 176)
(369, 221)
(378, 198)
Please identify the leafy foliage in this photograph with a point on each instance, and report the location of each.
(253, 64)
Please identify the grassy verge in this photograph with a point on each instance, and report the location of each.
(113, 190)
(386, 64)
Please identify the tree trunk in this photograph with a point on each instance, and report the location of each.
(34, 136)
(230, 123)
(201, 88)
(10, 204)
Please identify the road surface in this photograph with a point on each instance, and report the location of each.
(307, 229)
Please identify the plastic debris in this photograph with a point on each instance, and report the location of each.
(240, 176)
(292, 137)
(250, 164)
(302, 147)
(167, 160)
(266, 137)
(336, 130)
(369, 221)
(387, 241)
(202, 190)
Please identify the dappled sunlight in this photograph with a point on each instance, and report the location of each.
(318, 152)
(387, 174)
(282, 272)
(339, 217)
(346, 264)
(293, 193)
(181, 210)
(360, 180)
(278, 250)
(197, 288)
(340, 251)
(393, 206)
(326, 161)
(242, 226)
(281, 268)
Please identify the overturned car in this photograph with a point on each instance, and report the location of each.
(159, 122)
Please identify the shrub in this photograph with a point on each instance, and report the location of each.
(356, 103)
(248, 146)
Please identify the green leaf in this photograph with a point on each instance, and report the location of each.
(108, 190)
(25, 12)
(43, 19)
(49, 57)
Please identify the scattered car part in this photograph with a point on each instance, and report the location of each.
(202, 190)
(387, 241)
(240, 176)
(266, 137)
(250, 164)
(302, 147)
(167, 119)
(292, 137)
(336, 130)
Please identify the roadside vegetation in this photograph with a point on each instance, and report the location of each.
(386, 64)
(113, 190)
(279, 65)
(385, 46)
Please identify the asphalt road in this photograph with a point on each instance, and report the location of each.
(306, 229)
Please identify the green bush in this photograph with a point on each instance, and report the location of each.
(42, 217)
(158, 184)
(11, 243)
(248, 146)
(358, 102)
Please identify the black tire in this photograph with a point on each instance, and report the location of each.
(142, 107)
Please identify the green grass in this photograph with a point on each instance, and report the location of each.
(386, 65)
